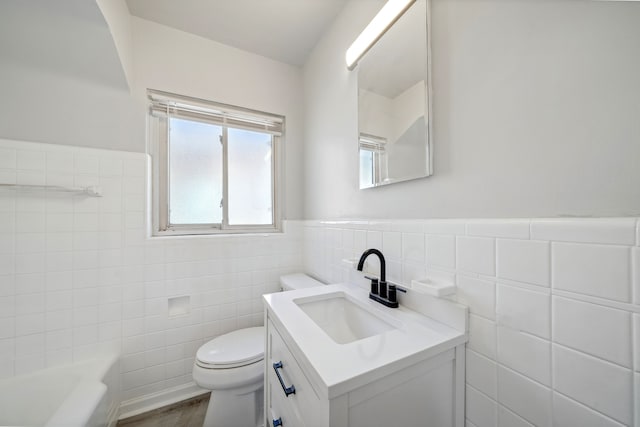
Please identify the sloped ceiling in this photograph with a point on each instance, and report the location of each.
(68, 37)
(284, 30)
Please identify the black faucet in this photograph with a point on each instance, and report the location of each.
(379, 291)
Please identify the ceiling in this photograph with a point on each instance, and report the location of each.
(284, 30)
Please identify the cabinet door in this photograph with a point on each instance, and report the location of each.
(282, 414)
(304, 404)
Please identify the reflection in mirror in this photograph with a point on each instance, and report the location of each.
(393, 103)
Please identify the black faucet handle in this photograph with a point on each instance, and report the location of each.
(374, 284)
(392, 295)
(382, 289)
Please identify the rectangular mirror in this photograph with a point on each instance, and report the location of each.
(394, 94)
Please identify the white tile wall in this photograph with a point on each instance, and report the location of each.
(636, 341)
(476, 255)
(598, 270)
(554, 333)
(637, 393)
(635, 259)
(413, 247)
(617, 231)
(569, 413)
(598, 384)
(482, 374)
(391, 245)
(506, 418)
(525, 397)
(507, 228)
(600, 331)
(78, 276)
(526, 354)
(523, 260)
(480, 409)
(479, 295)
(482, 336)
(441, 251)
(524, 310)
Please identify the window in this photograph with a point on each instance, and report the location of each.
(215, 166)
(373, 160)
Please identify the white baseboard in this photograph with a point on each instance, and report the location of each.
(157, 400)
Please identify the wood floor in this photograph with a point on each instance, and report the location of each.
(188, 413)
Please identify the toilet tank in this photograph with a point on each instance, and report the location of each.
(295, 281)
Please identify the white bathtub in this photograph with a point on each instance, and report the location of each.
(82, 394)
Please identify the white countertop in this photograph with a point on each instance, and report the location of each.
(339, 368)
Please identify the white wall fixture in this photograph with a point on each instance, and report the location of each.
(388, 15)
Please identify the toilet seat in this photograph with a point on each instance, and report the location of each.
(235, 349)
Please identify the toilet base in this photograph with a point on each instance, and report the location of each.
(228, 409)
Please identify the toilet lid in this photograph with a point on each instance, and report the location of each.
(237, 348)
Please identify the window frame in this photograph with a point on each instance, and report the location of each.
(377, 146)
(158, 148)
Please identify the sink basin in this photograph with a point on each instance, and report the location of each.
(341, 319)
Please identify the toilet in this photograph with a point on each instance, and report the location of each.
(232, 367)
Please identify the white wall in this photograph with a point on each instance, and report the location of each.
(44, 106)
(407, 156)
(535, 114)
(61, 78)
(376, 118)
(178, 62)
(407, 108)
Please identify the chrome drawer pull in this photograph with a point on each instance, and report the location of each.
(277, 422)
(287, 390)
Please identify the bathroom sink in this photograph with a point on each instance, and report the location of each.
(342, 319)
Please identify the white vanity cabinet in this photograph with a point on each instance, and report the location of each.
(426, 390)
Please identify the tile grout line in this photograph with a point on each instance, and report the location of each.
(590, 408)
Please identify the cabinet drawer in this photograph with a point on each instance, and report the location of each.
(281, 410)
(304, 404)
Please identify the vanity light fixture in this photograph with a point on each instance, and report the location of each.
(386, 17)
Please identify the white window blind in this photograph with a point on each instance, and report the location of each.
(163, 104)
(374, 143)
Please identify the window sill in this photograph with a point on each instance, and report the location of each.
(264, 232)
